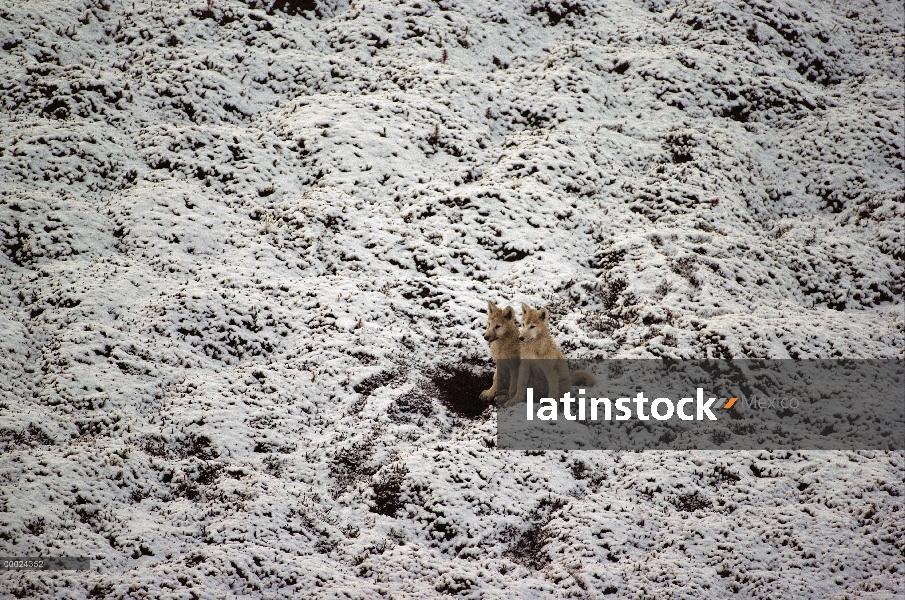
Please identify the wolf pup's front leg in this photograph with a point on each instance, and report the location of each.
(491, 393)
(520, 394)
(514, 367)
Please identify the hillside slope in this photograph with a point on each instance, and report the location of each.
(246, 255)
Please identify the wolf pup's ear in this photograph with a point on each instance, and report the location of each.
(492, 308)
(543, 314)
(508, 313)
(525, 309)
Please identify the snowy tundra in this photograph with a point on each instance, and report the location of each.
(246, 249)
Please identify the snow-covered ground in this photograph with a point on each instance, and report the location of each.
(246, 255)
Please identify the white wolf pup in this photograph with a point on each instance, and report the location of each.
(502, 333)
(540, 350)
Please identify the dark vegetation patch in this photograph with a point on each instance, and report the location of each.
(265, 421)
(30, 437)
(29, 588)
(558, 306)
(600, 322)
(142, 550)
(679, 146)
(763, 471)
(715, 343)
(720, 437)
(459, 388)
(101, 590)
(364, 357)
(193, 560)
(190, 446)
(455, 584)
(87, 511)
(196, 481)
(429, 297)
(606, 258)
(686, 266)
(414, 404)
(267, 446)
(690, 502)
(138, 494)
(605, 304)
(738, 111)
(353, 463)
(608, 302)
(611, 290)
(226, 326)
(36, 526)
(274, 465)
(507, 253)
(98, 425)
(557, 11)
(581, 471)
(316, 8)
(369, 385)
(388, 490)
(16, 245)
(742, 428)
(528, 547)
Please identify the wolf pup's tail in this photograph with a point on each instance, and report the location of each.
(582, 377)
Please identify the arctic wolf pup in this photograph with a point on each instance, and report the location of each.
(502, 333)
(538, 347)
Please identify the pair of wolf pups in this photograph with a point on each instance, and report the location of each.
(510, 345)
